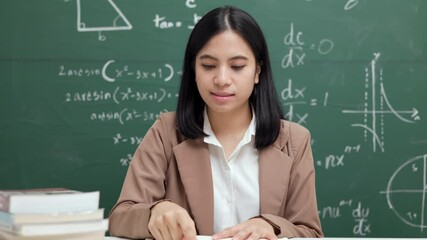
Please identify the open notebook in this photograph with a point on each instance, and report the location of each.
(210, 238)
(198, 238)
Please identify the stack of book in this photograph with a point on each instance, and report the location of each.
(49, 214)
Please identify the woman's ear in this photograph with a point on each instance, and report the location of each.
(257, 72)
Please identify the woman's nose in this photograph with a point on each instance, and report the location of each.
(222, 78)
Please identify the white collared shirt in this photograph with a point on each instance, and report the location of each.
(235, 180)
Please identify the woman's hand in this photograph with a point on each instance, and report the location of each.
(253, 229)
(169, 221)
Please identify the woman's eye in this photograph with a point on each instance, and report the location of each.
(208, 66)
(238, 67)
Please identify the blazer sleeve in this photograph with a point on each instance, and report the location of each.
(300, 217)
(143, 186)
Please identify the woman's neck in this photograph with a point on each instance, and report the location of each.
(229, 128)
(231, 123)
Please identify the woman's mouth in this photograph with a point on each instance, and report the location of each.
(222, 94)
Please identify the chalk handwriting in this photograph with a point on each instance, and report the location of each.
(112, 71)
(190, 3)
(162, 23)
(359, 213)
(78, 72)
(362, 227)
(196, 19)
(132, 140)
(335, 211)
(88, 96)
(337, 160)
(293, 96)
(125, 161)
(125, 115)
(296, 54)
(350, 4)
(120, 95)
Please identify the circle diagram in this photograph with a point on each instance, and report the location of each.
(407, 192)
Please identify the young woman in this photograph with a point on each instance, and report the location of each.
(226, 163)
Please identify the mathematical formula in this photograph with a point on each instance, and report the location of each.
(120, 95)
(111, 71)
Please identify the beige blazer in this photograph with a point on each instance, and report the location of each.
(168, 166)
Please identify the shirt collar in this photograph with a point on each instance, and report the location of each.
(211, 138)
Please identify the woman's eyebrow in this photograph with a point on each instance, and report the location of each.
(239, 57)
(207, 56)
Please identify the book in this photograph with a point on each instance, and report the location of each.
(48, 229)
(8, 220)
(96, 235)
(48, 201)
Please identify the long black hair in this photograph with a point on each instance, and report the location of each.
(263, 99)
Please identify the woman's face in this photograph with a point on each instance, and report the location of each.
(226, 72)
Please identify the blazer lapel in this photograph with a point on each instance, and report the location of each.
(274, 171)
(193, 162)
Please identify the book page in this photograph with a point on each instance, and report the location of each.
(199, 237)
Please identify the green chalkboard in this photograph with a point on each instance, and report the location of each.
(81, 81)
